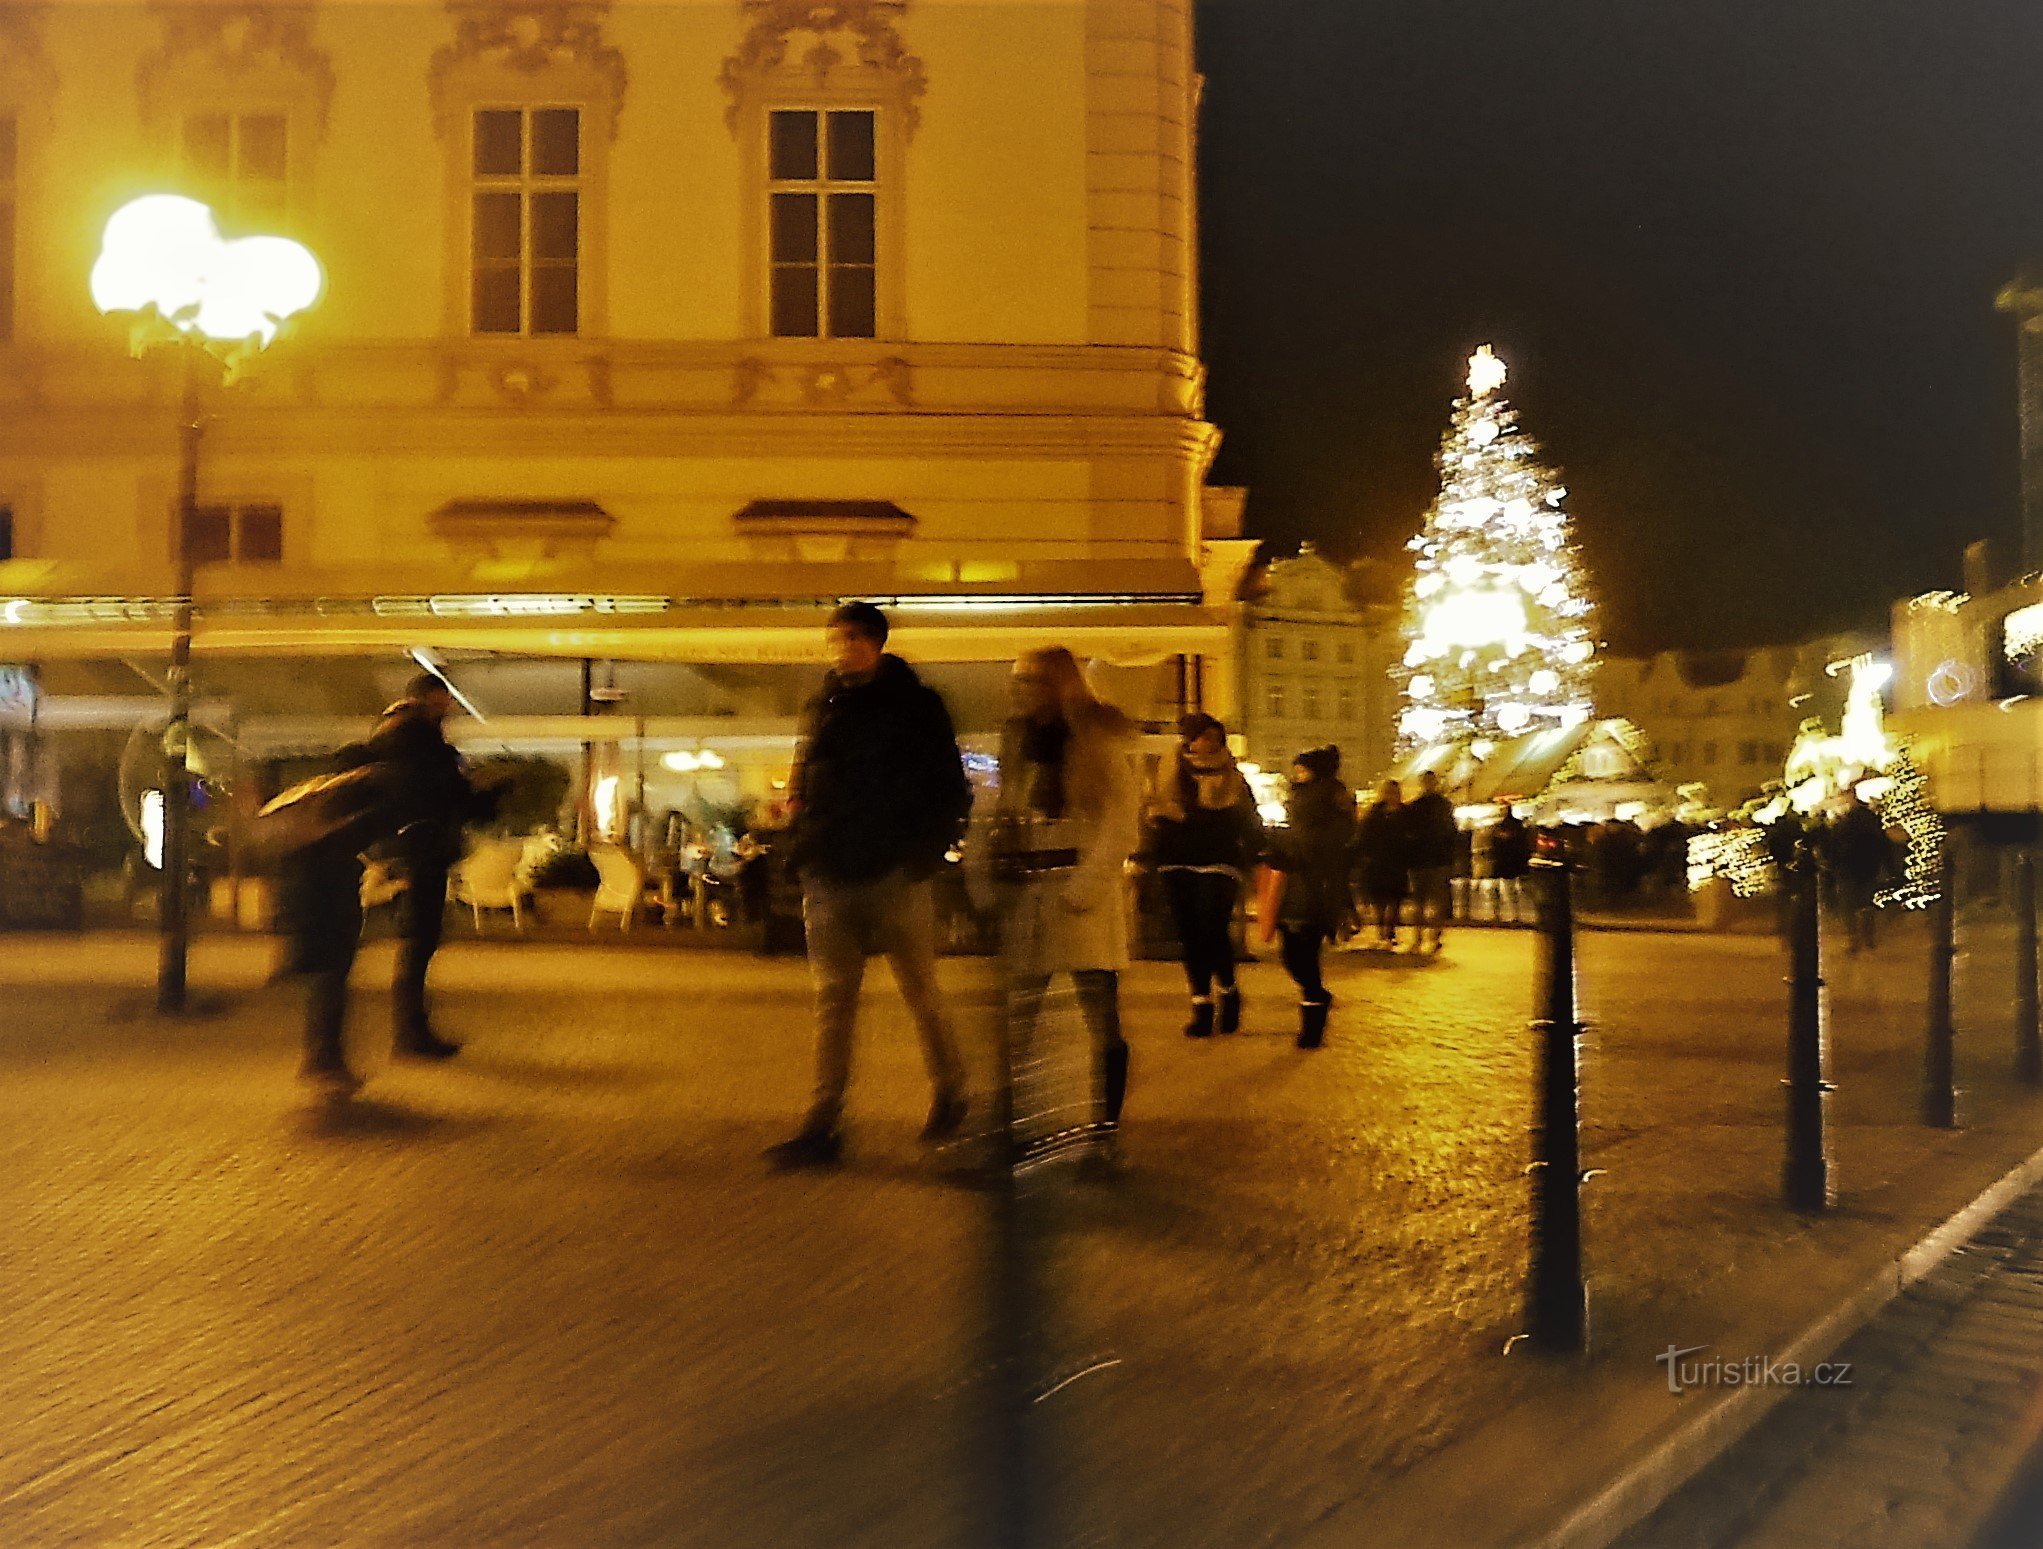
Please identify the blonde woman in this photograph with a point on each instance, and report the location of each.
(1069, 795)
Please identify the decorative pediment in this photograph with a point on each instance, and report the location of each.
(211, 52)
(848, 47)
(521, 529)
(532, 40)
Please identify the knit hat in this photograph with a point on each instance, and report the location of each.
(1321, 763)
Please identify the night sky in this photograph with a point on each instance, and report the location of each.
(1741, 255)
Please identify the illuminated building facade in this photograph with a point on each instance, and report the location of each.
(650, 331)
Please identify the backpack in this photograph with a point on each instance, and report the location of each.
(347, 811)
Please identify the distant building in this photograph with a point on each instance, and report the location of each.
(1724, 720)
(1316, 659)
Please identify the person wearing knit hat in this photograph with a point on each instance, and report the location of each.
(1312, 853)
(1203, 837)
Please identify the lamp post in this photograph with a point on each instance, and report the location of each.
(164, 264)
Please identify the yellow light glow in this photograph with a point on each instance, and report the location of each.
(608, 805)
(1476, 618)
(152, 828)
(1486, 373)
(164, 253)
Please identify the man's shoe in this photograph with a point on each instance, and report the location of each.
(1230, 1010)
(426, 1045)
(946, 1117)
(811, 1148)
(1312, 1022)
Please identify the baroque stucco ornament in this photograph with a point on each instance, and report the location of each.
(852, 41)
(533, 38)
(260, 47)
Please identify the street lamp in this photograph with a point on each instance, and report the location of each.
(163, 263)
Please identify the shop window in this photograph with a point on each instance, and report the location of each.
(525, 231)
(822, 223)
(235, 535)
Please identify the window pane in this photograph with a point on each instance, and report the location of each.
(851, 228)
(794, 228)
(554, 225)
(851, 147)
(496, 228)
(262, 147)
(851, 304)
(208, 540)
(555, 299)
(6, 151)
(495, 299)
(793, 147)
(206, 145)
(794, 303)
(260, 204)
(557, 142)
(498, 151)
(261, 536)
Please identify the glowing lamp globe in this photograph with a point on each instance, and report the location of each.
(164, 253)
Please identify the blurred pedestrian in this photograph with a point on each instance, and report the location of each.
(1204, 836)
(1313, 852)
(1435, 840)
(316, 832)
(1510, 852)
(1383, 862)
(1068, 788)
(878, 795)
(436, 802)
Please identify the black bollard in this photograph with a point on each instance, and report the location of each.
(1939, 1093)
(1557, 1301)
(1011, 1500)
(2028, 1033)
(1805, 1177)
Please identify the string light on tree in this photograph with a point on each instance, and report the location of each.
(1499, 628)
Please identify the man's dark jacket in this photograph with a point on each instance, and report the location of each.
(433, 795)
(878, 784)
(1431, 832)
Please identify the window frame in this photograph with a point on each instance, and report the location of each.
(823, 189)
(237, 512)
(224, 198)
(527, 184)
(753, 123)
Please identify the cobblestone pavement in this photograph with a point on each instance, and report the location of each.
(549, 1294)
(1940, 1401)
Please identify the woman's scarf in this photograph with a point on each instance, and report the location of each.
(1212, 780)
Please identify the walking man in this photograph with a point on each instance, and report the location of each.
(878, 797)
(437, 801)
(1433, 838)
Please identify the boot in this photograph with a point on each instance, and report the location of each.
(1312, 1021)
(1201, 1025)
(1113, 1082)
(1230, 1009)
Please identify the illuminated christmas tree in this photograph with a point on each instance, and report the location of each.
(1500, 631)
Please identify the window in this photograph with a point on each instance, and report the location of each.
(1709, 752)
(239, 163)
(9, 157)
(236, 535)
(6, 533)
(526, 221)
(1311, 710)
(1275, 649)
(822, 224)
(1276, 701)
(1748, 752)
(1309, 650)
(1344, 653)
(1347, 702)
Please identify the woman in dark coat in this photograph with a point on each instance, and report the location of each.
(1203, 837)
(1312, 853)
(1383, 862)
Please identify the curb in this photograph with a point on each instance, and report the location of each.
(1643, 1487)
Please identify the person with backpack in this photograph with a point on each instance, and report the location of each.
(1204, 837)
(316, 832)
